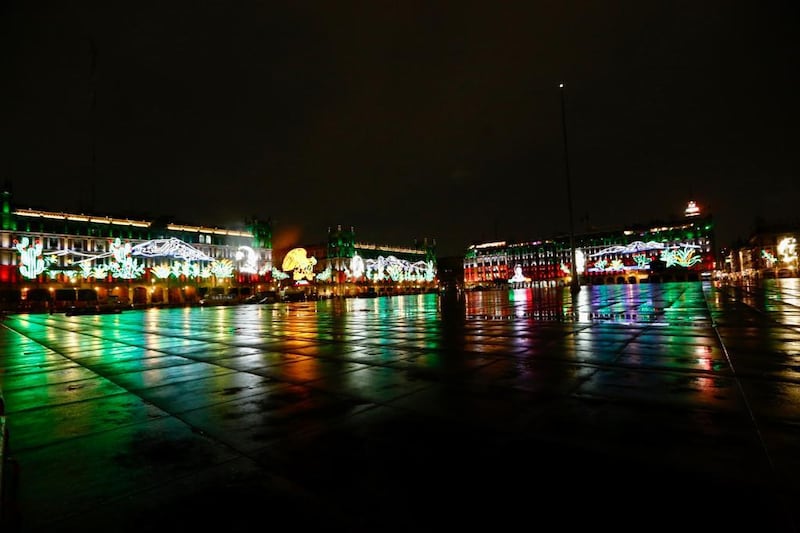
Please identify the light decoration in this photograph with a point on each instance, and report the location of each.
(787, 249)
(190, 269)
(161, 271)
(171, 247)
(356, 267)
(248, 259)
(122, 260)
(691, 209)
(124, 266)
(398, 270)
(635, 246)
(208, 272)
(495, 244)
(299, 263)
(222, 269)
(580, 261)
(564, 268)
(32, 261)
(100, 271)
(769, 258)
(86, 270)
(518, 277)
(684, 257)
(395, 271)
(430, 271)
(325, 275)
(277, 274)
(70, 273)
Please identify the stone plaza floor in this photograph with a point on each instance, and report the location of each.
(647, 407)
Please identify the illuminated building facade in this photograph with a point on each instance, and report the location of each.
(678, 250)
(770, 252)
(346, 267)
(45, 254)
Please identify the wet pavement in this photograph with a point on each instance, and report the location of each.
(637, 407)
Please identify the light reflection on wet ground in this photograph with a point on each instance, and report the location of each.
(369, 413)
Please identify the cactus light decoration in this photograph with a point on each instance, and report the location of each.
(31, 259)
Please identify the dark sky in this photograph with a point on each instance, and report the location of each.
(404, 119)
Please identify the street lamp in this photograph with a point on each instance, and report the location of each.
(575, 284)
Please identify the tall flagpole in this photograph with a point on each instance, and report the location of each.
(575, 284)
(93, 120)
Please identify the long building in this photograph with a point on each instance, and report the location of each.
(676, 250)
(769, 252)
(344, 267)
(51, 260)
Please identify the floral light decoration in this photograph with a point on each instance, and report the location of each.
(223, 268)
(161, 271)
(124, 266)
(86, 270)
(684, 257)
(430, 271)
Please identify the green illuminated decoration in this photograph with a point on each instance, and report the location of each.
(86, 270)
(100, 271)
(325, 275)
(391, 267)
(430, 271)
(161, 271)
(277, 274)
(641, 260)
(684, 257)
(395, 272)
(769, 258)
(124, 266)
(222, 269)
(33, 263)
(186, 269)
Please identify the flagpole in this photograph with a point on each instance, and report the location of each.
(575, 284)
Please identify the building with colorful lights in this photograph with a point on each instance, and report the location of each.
(345, 267)
(53, 260)
(676, 250)
(770, 252)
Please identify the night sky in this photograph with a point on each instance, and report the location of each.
(406, 120)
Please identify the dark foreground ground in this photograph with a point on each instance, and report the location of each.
(666, 407)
